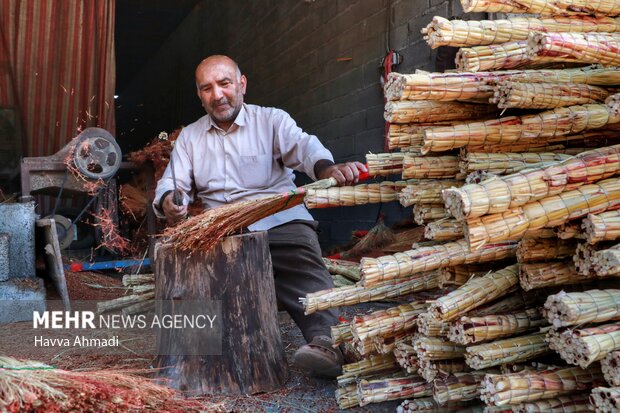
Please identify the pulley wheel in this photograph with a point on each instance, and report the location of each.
(64, 230)
(97, 155)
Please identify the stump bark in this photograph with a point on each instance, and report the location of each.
(238, 272)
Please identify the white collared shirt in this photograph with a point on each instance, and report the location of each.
(254, 158)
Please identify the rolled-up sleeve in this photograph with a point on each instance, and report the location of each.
(183, 173)
(298, 150)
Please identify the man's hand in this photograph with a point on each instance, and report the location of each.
(344, 173)
(174, 213)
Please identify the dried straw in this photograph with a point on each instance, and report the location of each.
(536, 250)
(408, 136)
(381, 390)
(431, 327)
(33, 386)
(476, 292)
(578, 308)
(460, 274)
(431, 369)
(459, 33)
(576, 47)
(444, 230)
(341, 333)
(457, 387)
(405, 264)
(504, 193)
(438, 167)
(545, 95)
(434, 111)
(548, 212)
(387, 322)
(429, 405)
(425, 213)
(450, 86)
(511, 350)
(377, 237)
(384, 164)
(347, 269)
(544, 7)
(425, 191)
(570, 230)
(508, 163)
(606, 399)
(505, 389)
(517, 301)
(339, 297)
(510, 55)
(548, 274)
(406, 357)
(571, 403)
(606, 263)
(347, 396)
(557, 122)
(435, 348)
(584, 346)
(204, 231)
(610, 366)
(471, 330)
(374, 365)
(602, 227)
(354, 195)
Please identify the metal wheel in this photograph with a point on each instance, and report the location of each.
(97, 155)
(64, 230)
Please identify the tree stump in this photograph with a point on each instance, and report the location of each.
(238, 272)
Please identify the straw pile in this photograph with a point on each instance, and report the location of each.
(545, 95)
(384, 164)
(434, 111)
(561, 121)
(419, 260)
(610, 366)
(606, 263)
(474, 293)
(387, 322)
(505, 193)
(459, 274)
(441, 167)
(457, 387)
(511, 350)
(578, 308)
(426, 213)
(538, 249)
(380, 390)
(338, 297)
(548, 274)
(580, 47)
(510, 389)
(602, 227)
(443, 230)
(374, 365)
(579, 402)
(425, 191)
(511, 55)
(353, 195)
(606, 399)
(471, 330)
(139, 298)
(547, 212)
(459, 33)
(431, 369)
(507, 163)
(544, 7)
(584, 346)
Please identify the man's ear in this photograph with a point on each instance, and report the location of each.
(244, 83)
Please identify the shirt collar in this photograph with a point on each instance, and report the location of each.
(239, 120)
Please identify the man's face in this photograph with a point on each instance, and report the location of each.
(221, 91)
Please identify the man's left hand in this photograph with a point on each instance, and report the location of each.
(344, 173)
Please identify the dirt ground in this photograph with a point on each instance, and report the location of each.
(301, 393)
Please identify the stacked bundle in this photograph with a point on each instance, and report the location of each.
(502, 199)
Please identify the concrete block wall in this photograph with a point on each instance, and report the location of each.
(317, 59)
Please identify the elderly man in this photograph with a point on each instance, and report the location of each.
(239, 152)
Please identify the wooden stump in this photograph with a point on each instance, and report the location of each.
(238, 272)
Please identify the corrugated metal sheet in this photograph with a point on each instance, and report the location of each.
(57, 67)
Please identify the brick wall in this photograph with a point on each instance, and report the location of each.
(319, 60)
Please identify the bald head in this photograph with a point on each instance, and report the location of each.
(220, 87)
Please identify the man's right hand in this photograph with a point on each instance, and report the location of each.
(174, 213)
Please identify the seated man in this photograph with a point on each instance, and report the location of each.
(238, 152)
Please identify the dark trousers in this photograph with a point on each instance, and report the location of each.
(298, 270)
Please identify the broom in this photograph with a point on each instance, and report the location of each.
(204, 231)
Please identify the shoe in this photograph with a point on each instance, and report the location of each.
(320, 358)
